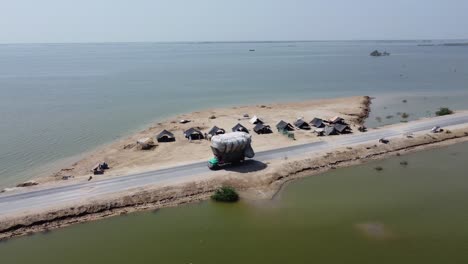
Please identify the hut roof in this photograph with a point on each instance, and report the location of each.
(340, 127)
(300, 123)
(317, 122)
(192, 131)
(330, 130)
(256, 120)
(215, 130)
(240, 128)
(165, 133)
(336, 119)
(261, 128)
(282, 125)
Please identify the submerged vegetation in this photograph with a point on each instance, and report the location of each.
(378, 168)
(225, 194)
(443, 111)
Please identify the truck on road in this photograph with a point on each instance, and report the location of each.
(230, 148)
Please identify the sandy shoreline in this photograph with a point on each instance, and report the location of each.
(255, 184)
(125, 158)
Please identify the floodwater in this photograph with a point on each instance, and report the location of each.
(58, 101)
(413, 212)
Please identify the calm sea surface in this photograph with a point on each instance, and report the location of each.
(414, 213)
(60, 100)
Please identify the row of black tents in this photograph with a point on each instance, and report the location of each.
(333, 126)
(196, 134)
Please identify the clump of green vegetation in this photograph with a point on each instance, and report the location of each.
(389, 117)
(404, 163)
(404, 115)
(378, 118)
(225, 194)
(378, 168)
(443, 111)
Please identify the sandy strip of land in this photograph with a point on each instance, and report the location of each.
(253, 184)
(124, 157)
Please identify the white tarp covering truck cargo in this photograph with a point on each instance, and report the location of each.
(230, 148)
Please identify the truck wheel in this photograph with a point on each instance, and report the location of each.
(213, 166)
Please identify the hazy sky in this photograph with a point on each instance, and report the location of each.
(234, 20)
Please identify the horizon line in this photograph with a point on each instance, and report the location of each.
(233, 41)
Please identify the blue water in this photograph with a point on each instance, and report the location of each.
(60, 100)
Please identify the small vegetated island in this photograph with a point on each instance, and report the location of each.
(377, 53)
(443, 111)
(225, 194)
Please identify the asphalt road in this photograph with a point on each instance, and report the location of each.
(39, 198)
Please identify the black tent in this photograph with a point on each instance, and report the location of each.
(262, 129)
(216, 131)
(193, 134)
(165, 136)
(240, 128)
(317, 122)
(284, 126)
(255, 120)
(342, 128)
(330, 130)
(302, 124)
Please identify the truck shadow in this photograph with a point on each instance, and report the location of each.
(247, 166)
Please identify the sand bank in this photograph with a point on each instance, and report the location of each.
(124, 157)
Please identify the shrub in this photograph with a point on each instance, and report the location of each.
(403, 163)
(225, 194)
(378, 168)
(404, 115)
(443, 111)
(404, 101)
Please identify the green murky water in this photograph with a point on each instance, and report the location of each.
(415, 213)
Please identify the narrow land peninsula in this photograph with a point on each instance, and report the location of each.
(254, 180)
